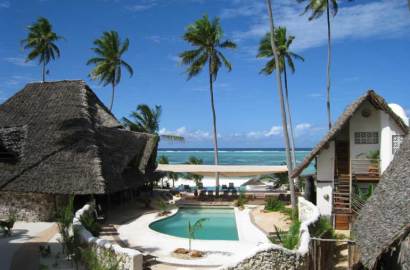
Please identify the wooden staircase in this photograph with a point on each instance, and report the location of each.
(342, 202)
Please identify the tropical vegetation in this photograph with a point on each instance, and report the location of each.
(282, 108)
(170, 175)
(109, 50)
(317, 8)
(193, 228)
(286, 57)
(289, 239)
(41, 41)
(206, 37)
(195, 177)
(147, 120)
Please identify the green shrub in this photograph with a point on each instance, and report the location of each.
(273, 204)
(242, 200)
(91, 224)
(106, 260)
(322, 229)
(64, 219)
(7, 226)
(289, 239)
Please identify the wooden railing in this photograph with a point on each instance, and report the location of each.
(365, 169)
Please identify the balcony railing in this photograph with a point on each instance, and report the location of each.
(365, 169)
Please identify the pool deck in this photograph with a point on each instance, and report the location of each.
(138, 235)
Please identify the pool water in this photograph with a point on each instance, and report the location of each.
(220, 223)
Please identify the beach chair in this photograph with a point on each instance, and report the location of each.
(187, 188)
(202, 194)
(231, 186)
(225, 193)
(210, 193)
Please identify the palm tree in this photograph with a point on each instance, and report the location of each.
(283, 109)
(317, 8)
(286, 57)
(108, 61)
(41, 42)
(147, 120)
(206, 38)
(197, 178)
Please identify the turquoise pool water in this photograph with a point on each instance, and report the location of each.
(220, 223)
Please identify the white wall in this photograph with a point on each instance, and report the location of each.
(325, 179)
(358, 123)
(388, 129)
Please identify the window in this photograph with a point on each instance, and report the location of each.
(366, 137)
(397, 140)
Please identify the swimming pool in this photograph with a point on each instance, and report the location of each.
(220, 223)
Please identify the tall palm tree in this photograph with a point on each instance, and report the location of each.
(206, 38)
(282, 107)
(41, 43)
(108, 61)
(146, 119)
(286, 57)
(317, 8)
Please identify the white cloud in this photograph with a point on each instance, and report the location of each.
(4, 4)
(274, 131)
(142, 5)
(387, 18)
(189, 135)
(18, 61)
(303, 126)
(18, 80)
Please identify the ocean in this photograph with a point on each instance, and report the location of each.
(235, 156)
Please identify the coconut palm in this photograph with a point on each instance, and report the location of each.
(108, 62)
(286, 57)
(41, 43)
(146, 119)
(206, 38)
(283, 109)
(317, 8)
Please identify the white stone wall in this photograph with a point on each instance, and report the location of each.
(272, 256)
(325, 179)
(358, 123)
(388, 129)
(131, 259)
(31, 207)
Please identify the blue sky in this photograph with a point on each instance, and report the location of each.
(370, 51)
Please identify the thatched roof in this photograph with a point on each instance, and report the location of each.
(385, 219)
(66, 141)
(377, 101)
(253, 182)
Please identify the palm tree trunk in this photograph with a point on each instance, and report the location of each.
(329, 55)
(43, 75)
(282, 107)
(112, 95)
(215, 134)
(290, 124)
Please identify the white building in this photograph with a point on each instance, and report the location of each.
(353, 155)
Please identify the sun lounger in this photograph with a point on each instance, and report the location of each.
(231, 186)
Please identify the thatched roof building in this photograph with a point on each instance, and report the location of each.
(370, 96)
(59, 138)
(382, 230)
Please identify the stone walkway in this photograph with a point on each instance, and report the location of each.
(30, 250)
(20, 250)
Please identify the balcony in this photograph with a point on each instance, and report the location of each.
(365, 170)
